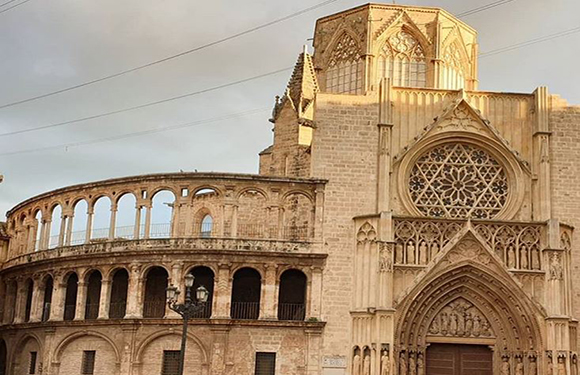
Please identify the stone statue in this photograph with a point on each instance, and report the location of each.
(453, 324)
(460, 325)
(511, 258)
(533, 366)
(434, 250)
(505, 365)
(535, 259)
(519, 366)
(468, 324)
(423, 253)
(550, 366)
(444, 323)
(556, 271)
(399, 254)
(356, 365)
(402, 364)
(420, 364)
(476, 326)
(385, 363)
(561, 366)
(485, 329)
(411, 253)
(524, 259)
(367, 365)
(412, 364)
(434, 329)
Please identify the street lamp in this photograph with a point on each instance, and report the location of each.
(187, 309)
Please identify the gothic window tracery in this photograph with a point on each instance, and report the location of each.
(403, 60)
(458, 180)
(454, 68)
(345, 68)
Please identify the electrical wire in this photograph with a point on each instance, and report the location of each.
(172, 57)
(13, 6)
(138, 133)
(482, 8)
(8, 2)
(58, 124)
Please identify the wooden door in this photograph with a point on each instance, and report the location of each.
(451, 359)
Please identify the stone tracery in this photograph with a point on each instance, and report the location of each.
(458, 180)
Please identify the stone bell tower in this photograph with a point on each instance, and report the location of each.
(418, 47)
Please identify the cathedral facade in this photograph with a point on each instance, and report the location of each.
(403, 223)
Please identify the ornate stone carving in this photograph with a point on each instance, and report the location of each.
(458, 180)
(505, 365)
(460, 318)
(366, 233)
(468, 249)
(556, 270)
(461, 119)
(385, 363)
(385, 257)
(356, 364)
(367, 365)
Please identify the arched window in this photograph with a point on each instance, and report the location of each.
(292, 296)
(3, 352)
(55, 225)
(155, 285)
(246, 292)
(345, 67)
(125, 219)
(101, 218)
(79, 227)
(38, 229)
(93, 295)
(47, 299)
(206, 226)
(162, 214)
(119, 288)
(403, 60)
(203, 277)
(28, 306)
(70, 301)
(454, 69)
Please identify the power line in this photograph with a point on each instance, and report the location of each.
(13, 6)
(8, 2)
(530, 42)
(483, 7)
(137, 134)
(172, 57)
(58, 124)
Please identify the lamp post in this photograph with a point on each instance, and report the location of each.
(187, 309)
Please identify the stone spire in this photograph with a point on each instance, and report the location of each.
(303, 86)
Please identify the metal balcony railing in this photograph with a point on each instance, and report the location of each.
(154, 309)
(91, 311)
(245, 310)
(291, 311)
(69, 312)
(117, 310)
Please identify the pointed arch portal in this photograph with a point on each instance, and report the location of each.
(466, 302)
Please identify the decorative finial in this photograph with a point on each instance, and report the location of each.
(305, 49)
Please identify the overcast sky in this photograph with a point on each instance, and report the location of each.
(47, 45)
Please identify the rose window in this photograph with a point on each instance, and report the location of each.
(458, 181)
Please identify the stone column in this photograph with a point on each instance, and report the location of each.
(222, 292)
(90, 213)
(137, 228)
(319, 213)
(69, 229)
(62, 229)
(178, 281)
(541, 159)
(315, 297)
(147, 220)
(235, 221)
(20, 300)
(58, 299)
(133, 292)
(37, 298)
(269, 302)
(105, 299)
(113, 222)
(46, 238)
(81, 300)
(41, 238)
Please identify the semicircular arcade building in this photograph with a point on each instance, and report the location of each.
(403, 222)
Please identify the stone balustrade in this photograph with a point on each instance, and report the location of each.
(203, 209)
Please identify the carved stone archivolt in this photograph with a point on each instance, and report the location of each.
(460, 318)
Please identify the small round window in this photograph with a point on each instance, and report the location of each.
(458, 180)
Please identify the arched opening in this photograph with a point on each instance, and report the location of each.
(162, 214)
(125, 220)
(55, 225)
(47, 299)
(402, 59)
(204, 277)
(252, 215)
(3, 352)
(155, 286)
(70, 301)
(206, 226)
(93, 295)
(292, 296)
(246, 293)
(79, 227)
(298, 212)
(345, 67)
(28, 304)
(101, 218)
(119, 288)
(38, 229)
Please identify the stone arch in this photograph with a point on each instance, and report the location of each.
(18, 361)
(142, 347)
(513, 318)
(79, 339)
(252, 213)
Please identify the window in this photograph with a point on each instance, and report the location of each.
(403, 60)
(265, 363)
(453, 70)
(206, 226)
(170, 362)
(32, 364)
(88, 365)
(345, 68)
